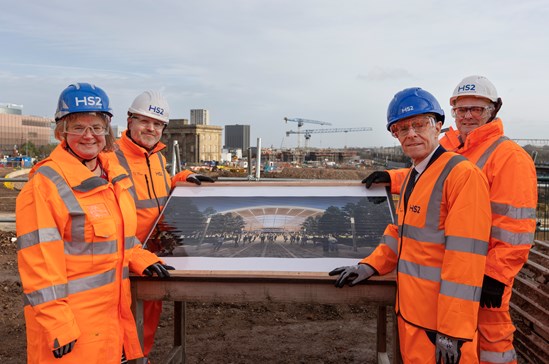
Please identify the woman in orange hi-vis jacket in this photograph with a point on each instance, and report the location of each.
(76, 223)
(511, 175)
(140, 153)
(439, 245)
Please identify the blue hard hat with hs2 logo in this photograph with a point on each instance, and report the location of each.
(82, 97)
(411, 102)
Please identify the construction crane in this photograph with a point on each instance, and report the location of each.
(300, 123)
(307, 132)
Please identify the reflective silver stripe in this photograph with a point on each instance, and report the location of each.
(430, 232)
(500, 358)
(419, 271)
(91, 183)
(435, 201)
(459, 290)
(118, 178)
(130, 242)
(488, 152)
(95, 248)
(125, 272)
(422, 234)
(150, 203)
(512, 238)
(44, 235)
(391, 242)
(78, 216)
(466, 245)
(73, 286)
(92, 282)
(145, 203)
(166, 178)
(513, 212)
(124, 163)
(45, 295)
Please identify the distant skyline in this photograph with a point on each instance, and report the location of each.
(256, 62)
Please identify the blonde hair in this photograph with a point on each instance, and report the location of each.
(60, 134)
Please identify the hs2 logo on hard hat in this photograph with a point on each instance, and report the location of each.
(407, 109)
(469, 87)
(156, 110)
(89, 101)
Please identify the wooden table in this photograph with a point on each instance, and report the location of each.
(260, 286)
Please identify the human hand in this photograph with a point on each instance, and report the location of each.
(448, 349)
(492, 292)
(199, 178)
(160, 269)
(377, 177)
(352, 274)
(65, 349)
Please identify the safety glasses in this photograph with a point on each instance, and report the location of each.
(419, 124)
(475, 111)
(79, 129)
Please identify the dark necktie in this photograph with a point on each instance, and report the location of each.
(409, 187)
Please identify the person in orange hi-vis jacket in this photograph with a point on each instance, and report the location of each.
(140, 153)
(511, 174)
(75, 224)
(439, 244)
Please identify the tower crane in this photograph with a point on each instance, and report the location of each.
(300, 123)
(307, 132)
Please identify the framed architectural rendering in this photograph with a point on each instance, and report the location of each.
(270, 226)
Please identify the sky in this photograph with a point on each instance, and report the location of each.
(256, 62)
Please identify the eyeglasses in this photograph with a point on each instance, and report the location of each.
(157, 125)
(419, 124)
(78, 129)
(475, 111)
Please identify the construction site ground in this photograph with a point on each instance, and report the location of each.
(233, 333)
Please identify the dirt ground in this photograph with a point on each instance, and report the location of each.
(216, 333)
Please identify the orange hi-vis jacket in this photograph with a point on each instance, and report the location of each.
(76, 246)
(511, 175)
(439, 248)
(151, 182)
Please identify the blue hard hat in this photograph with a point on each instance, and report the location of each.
(410, 102)
(82, 97)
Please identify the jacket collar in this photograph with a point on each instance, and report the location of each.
(452, 141)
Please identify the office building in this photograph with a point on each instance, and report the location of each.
(17, 129)
(237, 137)
(200, 117)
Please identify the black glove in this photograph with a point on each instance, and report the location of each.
(352, 274)
(377, 177)
(65, 349)
(199, 178)
(448, 349)
(160, 269)
(492, 292)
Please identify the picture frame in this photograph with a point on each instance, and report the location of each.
(306, 226)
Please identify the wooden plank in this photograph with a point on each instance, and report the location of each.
(537, 326)
(545, 244)
(252, 291)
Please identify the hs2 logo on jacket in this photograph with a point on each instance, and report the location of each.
(415, 209)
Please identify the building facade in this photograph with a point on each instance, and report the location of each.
(200, 117)
(17, 129)
(237, 137)
(197, 143)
